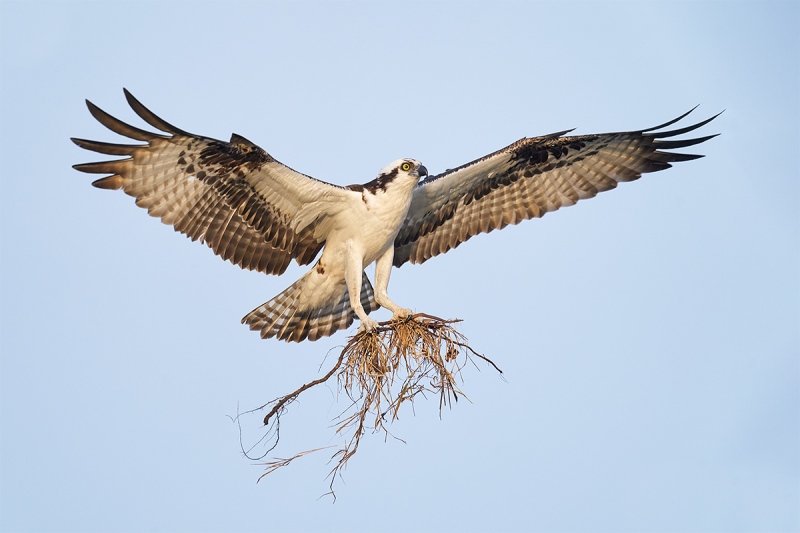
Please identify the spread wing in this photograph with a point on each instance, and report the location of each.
(247, 207)
(528, 179)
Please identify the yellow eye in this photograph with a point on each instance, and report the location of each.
(405, 167)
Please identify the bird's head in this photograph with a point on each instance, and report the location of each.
(404, 168)
(403, 173)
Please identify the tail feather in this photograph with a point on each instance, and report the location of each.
(304, 311)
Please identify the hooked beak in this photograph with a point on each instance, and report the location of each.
(422, 171)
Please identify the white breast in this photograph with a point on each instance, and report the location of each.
(371, 221)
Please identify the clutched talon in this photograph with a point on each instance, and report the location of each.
(402, 314)
(367, 325)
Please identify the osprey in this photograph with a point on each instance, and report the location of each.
(259, 214)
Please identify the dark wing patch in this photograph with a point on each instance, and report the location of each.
(527, 179)
(207, 189)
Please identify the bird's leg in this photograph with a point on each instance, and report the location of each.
(383, 268)
(353, 271)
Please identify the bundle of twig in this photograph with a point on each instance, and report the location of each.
(380, 370)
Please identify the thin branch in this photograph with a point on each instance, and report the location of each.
(379, 371)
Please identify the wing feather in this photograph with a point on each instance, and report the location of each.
(232, 196)
(528, 179)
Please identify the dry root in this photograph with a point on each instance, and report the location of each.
(379, 371)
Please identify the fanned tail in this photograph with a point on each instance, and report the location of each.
(309, 309)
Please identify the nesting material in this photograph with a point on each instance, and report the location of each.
(381, 370)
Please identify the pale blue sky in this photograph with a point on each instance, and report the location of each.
(649, 337)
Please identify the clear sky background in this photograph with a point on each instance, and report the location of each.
(649, 337)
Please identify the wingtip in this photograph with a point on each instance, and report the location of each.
(109, 183)
(150, 117)
(129, 97)
(652, 132)
(671, 122)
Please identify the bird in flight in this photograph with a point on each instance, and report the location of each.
(259, 214)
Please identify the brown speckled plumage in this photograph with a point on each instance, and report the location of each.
(254, 211)
(527, 179)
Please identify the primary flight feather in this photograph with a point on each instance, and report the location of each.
(258, 213)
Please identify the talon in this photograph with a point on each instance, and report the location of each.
(401, 314)
(367, 325)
